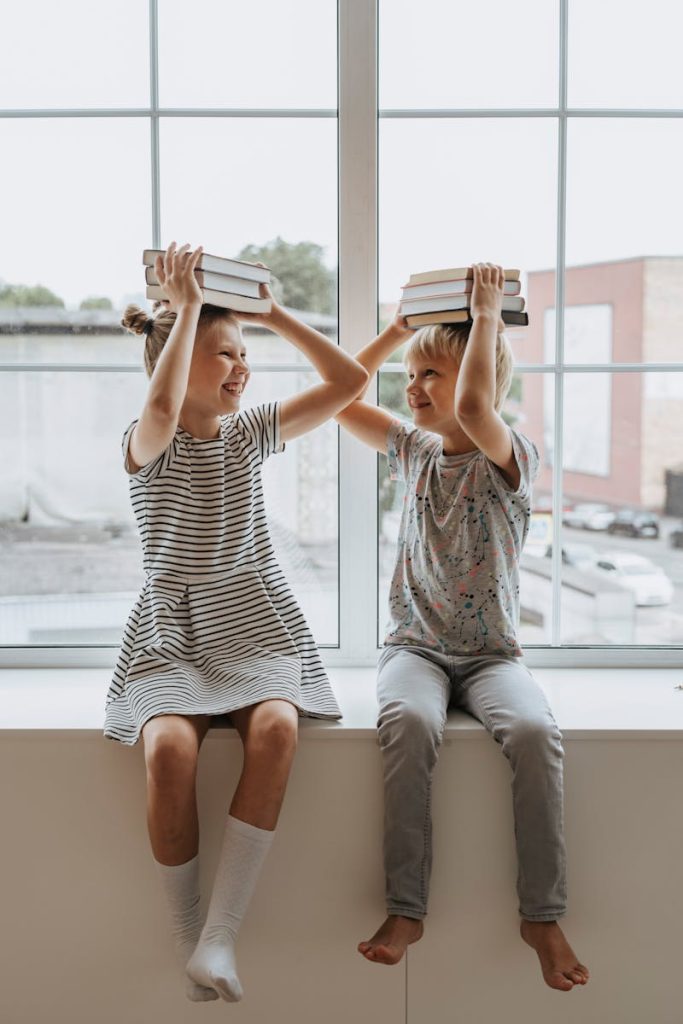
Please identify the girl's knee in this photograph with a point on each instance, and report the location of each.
(274, 727)
(171, 747)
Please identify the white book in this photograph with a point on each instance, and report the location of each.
(462, 287)
(440, 302)
(218, 282)
(218, 265)
(226, 300)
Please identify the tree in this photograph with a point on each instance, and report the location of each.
(303, 281)
(28, 295)
(92, 302)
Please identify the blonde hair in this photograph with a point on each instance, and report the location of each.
(440, 341)
(157, 327)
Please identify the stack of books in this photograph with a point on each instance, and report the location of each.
(231, 284)
(444, 297)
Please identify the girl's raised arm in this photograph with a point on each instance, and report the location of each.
(159, 417)
(342, 377)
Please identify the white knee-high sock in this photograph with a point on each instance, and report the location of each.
(181, 887)
(242, 855)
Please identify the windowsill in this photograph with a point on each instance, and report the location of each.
(588, 703)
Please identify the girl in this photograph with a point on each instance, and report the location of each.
(216, 628)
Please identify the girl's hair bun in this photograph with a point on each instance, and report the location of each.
(137, 320)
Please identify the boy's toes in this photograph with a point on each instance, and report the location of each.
(561, 981)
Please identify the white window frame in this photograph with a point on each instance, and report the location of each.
(358, 120)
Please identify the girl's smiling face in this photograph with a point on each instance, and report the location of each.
(219, 371)
(430, 392)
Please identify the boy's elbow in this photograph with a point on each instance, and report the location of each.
(472, 407)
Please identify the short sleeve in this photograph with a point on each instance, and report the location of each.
(400, 440)
(528, 462)
(153, 469)
(262, 426)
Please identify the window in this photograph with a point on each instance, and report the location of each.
(295, 126)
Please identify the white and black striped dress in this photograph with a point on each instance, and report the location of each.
(216, 626)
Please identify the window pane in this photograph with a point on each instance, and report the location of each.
(622, 508)
(439, 54)
(74, 54)
(438, 209)
(624, 227)
(528, 410)
(248, 199)
(76, 215)
(624, 55)
(269, 54)
(70, 559)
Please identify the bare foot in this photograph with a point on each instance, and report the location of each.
(389, 942)
(559, 963)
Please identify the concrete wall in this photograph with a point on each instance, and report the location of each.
(85, 939)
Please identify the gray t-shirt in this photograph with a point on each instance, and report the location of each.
(455, 586)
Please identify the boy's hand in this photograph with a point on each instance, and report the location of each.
(175, 271)
(399, 327)
(487, 293)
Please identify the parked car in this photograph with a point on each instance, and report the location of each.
(649, 583)
(633, 523)
(676, 537)
(588, 515)
(582, 556)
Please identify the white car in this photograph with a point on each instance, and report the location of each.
(588, 516)
(649, 584)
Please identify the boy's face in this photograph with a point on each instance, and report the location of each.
(430, 392)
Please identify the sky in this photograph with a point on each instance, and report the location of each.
(75, 194)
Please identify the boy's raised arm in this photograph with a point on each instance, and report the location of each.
(475, 391)
(367, 422)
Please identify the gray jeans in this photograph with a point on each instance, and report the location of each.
(415, 687)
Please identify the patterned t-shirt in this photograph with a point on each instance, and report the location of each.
(455, 586)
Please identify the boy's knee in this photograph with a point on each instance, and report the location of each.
(539, 736)
(412, 724)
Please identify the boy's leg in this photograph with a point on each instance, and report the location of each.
(502, 694)
(413, 693)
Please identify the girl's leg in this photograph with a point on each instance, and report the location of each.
(269, 733)
(172, 745)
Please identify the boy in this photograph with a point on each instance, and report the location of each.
(454, 608)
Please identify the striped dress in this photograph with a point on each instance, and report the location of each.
(216, 626)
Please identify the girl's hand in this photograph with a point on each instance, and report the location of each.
(399, 325)
(261, 318)
(487, 293)
(175, 271)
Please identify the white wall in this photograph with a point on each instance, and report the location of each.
(84, 934)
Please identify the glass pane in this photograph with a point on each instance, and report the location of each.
(72, 236)
(622, 546)
(441, 210)
(284, 212)
(530, 411)
(70, 558)
(269, 54)
(625, 55)
(434, 54)
(74, 54)
(624, 283)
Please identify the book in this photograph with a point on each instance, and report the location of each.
(454, 274)
(226, 300)
(217, 265)
(219, 282)
(450, 302)
(463, 286)
(462, 316)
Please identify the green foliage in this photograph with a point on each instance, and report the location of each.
(28, 295)
(302, 279)
(92, 302)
